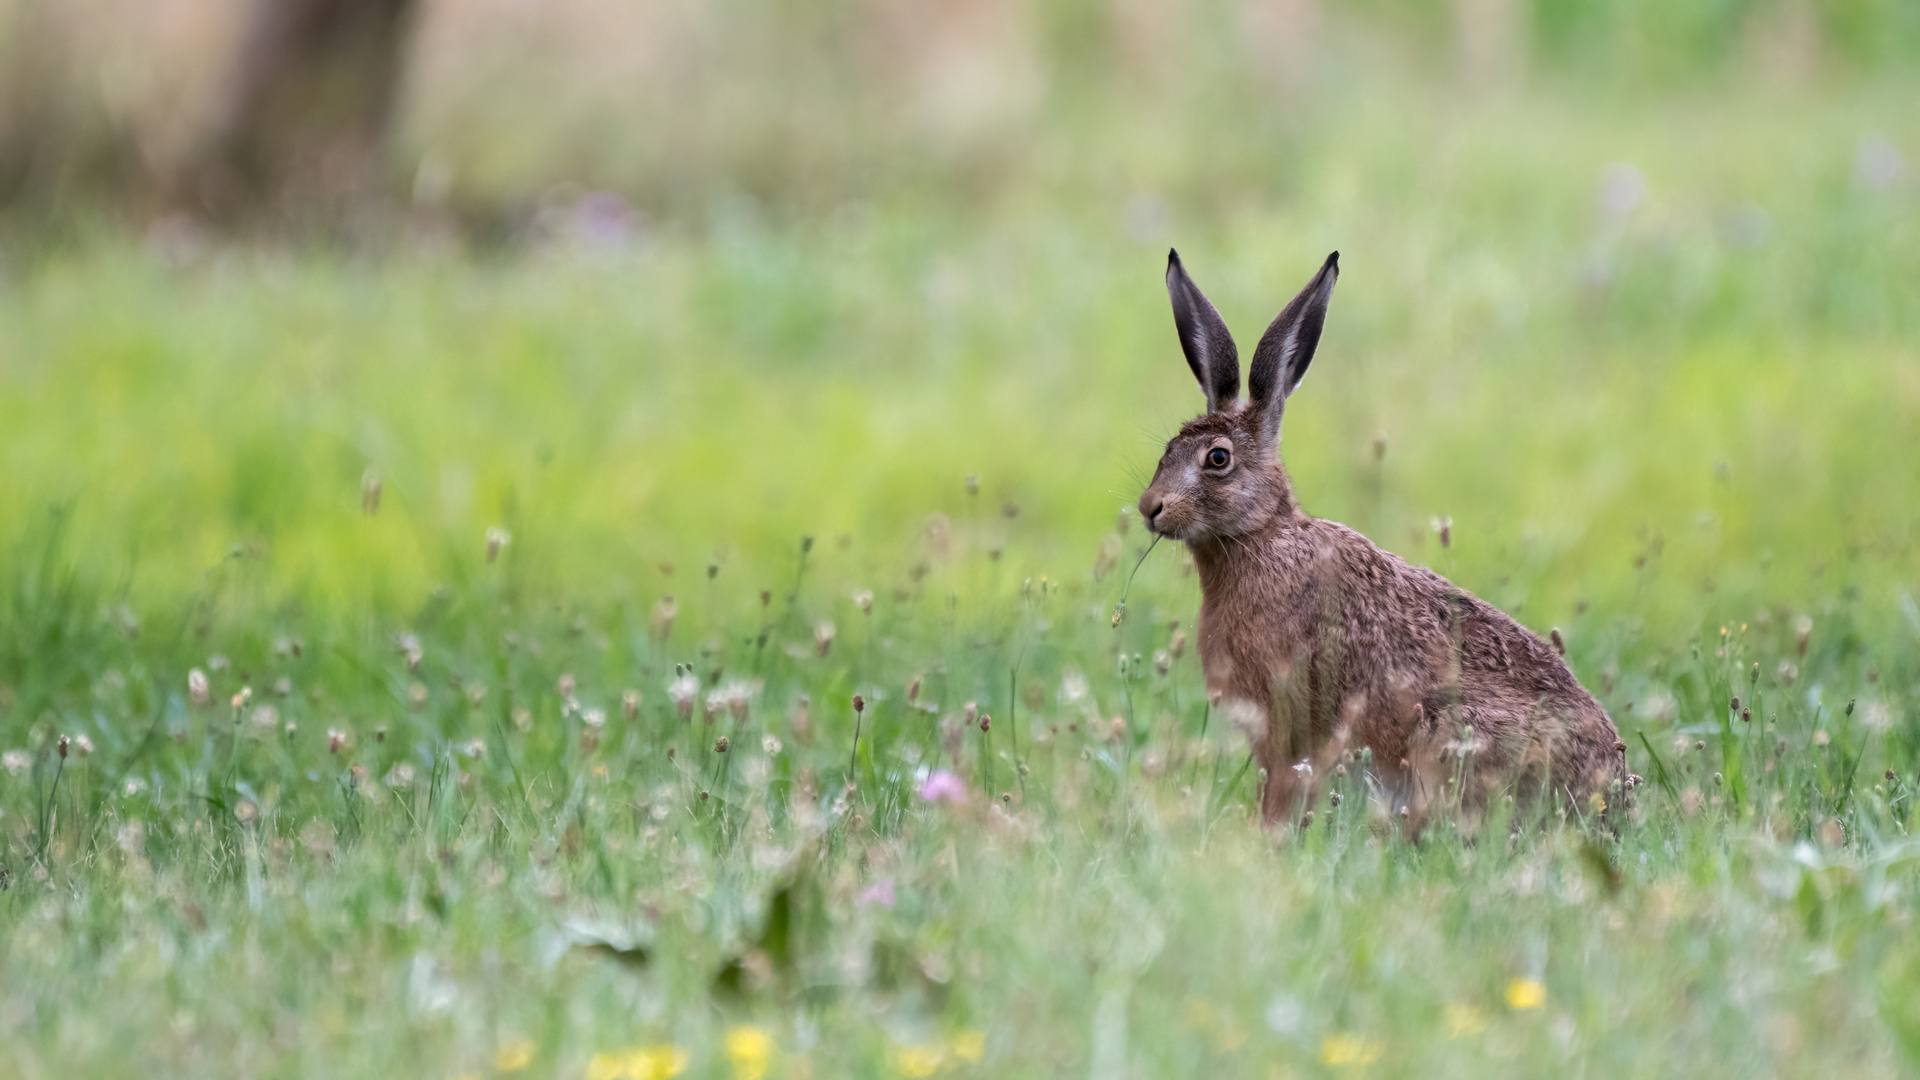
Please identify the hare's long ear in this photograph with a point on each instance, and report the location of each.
(1280, 360)
(1204, 338)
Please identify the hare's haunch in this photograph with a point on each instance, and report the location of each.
(1312, 638)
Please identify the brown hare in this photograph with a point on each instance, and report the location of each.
(1311, 637)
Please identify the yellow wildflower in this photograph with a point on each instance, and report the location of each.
(1348, 1050)
(749, 1048)
(917, 1061)
(660, 1061)
(515, 1055)
(968, 1045)
(1464, 1020)
(1526, 994)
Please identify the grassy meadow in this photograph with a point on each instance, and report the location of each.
(371, 625)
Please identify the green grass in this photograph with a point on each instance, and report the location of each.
(1683, 436)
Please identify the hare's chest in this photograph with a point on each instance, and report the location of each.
(1240, 649)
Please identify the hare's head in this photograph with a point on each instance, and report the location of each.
(1221, 475)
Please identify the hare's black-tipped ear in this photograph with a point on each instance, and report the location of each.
(1280, 360)
(1204, 338)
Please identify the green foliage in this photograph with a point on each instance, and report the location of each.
(415, 827)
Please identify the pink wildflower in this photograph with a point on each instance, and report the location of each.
(880, 892)
(941, 785)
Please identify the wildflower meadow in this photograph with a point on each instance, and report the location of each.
(719, 643)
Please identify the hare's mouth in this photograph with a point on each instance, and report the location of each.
(1170, 521)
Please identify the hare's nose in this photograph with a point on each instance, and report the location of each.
(1150, 507)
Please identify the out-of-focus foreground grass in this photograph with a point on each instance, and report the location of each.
(450, 810)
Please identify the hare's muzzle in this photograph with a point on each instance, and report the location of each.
(1152, 504)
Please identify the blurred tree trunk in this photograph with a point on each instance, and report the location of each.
(300, 130)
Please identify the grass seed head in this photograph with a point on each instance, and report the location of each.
(497, 538)
(198, 687)
(60, 747)
(722, 744)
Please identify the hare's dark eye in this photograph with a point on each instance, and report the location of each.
(1217, 457)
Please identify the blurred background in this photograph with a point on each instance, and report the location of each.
(483, 116)
(1628, 285)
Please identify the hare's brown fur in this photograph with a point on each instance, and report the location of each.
(1311, 637)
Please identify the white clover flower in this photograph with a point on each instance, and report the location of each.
(1073, 688)
(683, 691)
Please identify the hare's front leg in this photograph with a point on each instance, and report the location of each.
(1296, 764)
